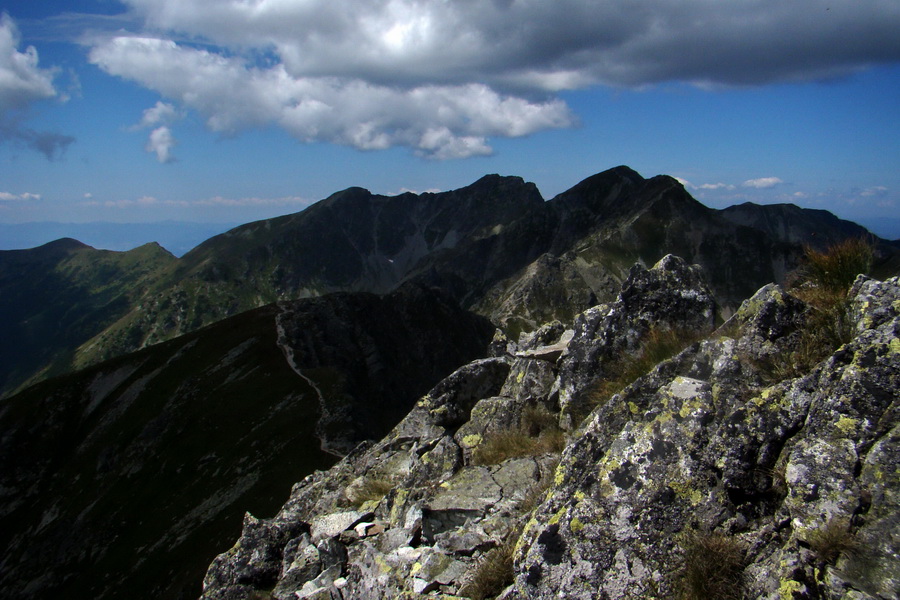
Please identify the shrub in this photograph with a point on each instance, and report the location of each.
(837, 267)
(832, 540)
(712, 568)
(493, 573)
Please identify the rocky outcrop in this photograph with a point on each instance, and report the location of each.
(787, 484)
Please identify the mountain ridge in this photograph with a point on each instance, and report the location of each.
(494, 244)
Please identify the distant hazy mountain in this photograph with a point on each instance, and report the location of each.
(178, 237)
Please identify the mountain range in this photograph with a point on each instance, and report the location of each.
(150, 400)
(496, 246)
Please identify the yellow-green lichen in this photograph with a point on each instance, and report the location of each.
(576, 525)
(847, 425)
(417, 566)
(559, 515)
(895, 346)
(579, 495)
(472, 440)
(633, 408)
(684, 490)
(788, 587)
(560, 475)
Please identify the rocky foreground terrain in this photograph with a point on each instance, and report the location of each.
(740, 467)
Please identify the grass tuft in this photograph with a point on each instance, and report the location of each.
(836, 268)
(658, 345)
(493, 573)
(372, 488)
(515, 443)
(712, 569)
(832, 540)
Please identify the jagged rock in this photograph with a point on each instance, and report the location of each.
(671, 295)
(451, 400)
(256, 560)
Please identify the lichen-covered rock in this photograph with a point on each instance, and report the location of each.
(700, 445)
(793, 478)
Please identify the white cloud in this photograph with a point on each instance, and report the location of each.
(715, 186)
(763, 183)
(162, 113)
(443, 77)
(548, 45)
(23, 82)
(878, 190)
(161, 141)
(8, 197)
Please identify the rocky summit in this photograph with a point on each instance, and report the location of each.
(740, 466)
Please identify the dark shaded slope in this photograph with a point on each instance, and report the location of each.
(125, 479)
(57, 296)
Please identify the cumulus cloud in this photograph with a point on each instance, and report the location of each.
(23, 82)
(763, 183)
(438, 121)
(443, 78)
(161, 140)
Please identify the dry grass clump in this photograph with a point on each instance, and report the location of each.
(535, 494)
(517, 442)
(372, 488)
(658, 345)
(826, 279)
(836, 268)
(712, 569)
(832, 540)
(538, 433)
(493, 573)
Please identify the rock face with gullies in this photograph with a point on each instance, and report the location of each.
(794, 479)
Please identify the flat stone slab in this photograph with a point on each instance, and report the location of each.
(332, 525)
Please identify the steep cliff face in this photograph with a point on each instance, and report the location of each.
(739, 451)
(133, 474)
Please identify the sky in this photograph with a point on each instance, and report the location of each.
(229, 111)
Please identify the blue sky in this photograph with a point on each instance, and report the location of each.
(227, 111)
